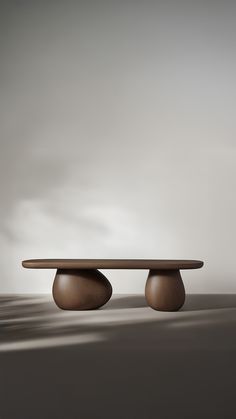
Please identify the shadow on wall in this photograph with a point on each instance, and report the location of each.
(122, 361)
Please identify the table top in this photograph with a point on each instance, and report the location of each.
(164, 264)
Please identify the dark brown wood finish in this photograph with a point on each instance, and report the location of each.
(84, 289)
(78, 284)
(164, 290)
(112, 264)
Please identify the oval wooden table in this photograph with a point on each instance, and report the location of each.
(78, 285)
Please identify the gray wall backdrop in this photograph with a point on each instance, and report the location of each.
(118, 137)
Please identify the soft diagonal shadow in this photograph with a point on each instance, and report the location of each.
(34, 317)
(195, 302)
(82, 364)
(121, 302)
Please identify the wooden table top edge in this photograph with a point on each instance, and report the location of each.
(162, 264)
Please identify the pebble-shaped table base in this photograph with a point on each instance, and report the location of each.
(78, 285)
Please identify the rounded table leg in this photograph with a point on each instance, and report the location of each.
(164, 290)
(80, 289)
